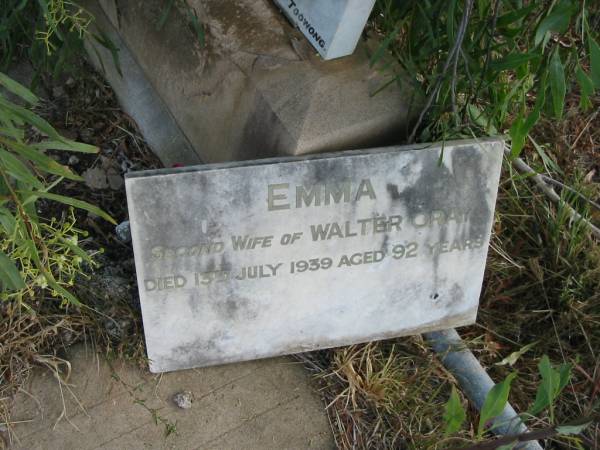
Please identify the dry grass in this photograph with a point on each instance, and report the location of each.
(383, 394)
(542, 286)
(83, 109)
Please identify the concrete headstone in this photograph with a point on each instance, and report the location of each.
(332, 27)
(255, 89)
(246, 260)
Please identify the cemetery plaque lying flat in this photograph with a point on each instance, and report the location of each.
(332, 27)
(239, 261)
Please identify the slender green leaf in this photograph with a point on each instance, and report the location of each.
(521, 126)
(557, 21)
(540, 100)
(594, 61)
(108, 44)
(7, 220)
(517, 134)
(481, 119)
(4, 191)
(17, 89)
(552, 383)
(513, 61)
(71, 202)
(514, 357)
(11, 127)
(586, 86)
(567, 430)
(28, 206)
(196, 25)
(66, 144)
(42, 161)
(564, 375)
(515, 16)
(9, 119)
(31, 118)
(9, 274)
(164, 15)
(383, 46)
(549, 163)
(18, 170)
(494, 403)
(549, 377)
(558, 87)
(454, 415)
(450, 22)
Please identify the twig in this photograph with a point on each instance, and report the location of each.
(551, 193)
(453, 88)
(547, 179)
(543, 433)
(488, 50)
(467, 70)
(592, 117)
(449, 60)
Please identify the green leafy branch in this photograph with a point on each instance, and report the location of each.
(35, 253)
(490, 66)
(552, 383)
(49, 33)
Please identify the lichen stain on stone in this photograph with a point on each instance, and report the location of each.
(194, 303)
(393, 191)
(384, 243)
(199, 351)
(456, 297)
(260, 318)
(238, 27)
(234, 309)
(474, 192)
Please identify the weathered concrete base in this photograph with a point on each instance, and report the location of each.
(139, 99)
(266, 404)
(254, 89)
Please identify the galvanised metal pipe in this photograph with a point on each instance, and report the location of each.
(475, 382)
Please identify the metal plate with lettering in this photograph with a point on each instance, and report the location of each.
(332, 27)
(239, 261)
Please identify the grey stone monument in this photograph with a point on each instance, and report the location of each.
(246, 260)
(332, 27)
(255, 89)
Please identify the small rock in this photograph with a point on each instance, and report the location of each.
(590, 176)
(73, 160)
(115, 179)
(95, 178)
(67, 337)
(86, 135)
(123, 231)
(113, 329)
(58, 91)
(183, 399)
(118, 329)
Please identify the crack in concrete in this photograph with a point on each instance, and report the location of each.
(250, 419)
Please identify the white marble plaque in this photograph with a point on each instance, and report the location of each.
(333, 27)
(247, 260)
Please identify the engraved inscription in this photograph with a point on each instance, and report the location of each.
(280, 197)
(257, 259)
